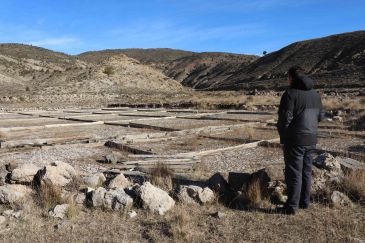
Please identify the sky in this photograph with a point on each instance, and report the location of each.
(236, 26)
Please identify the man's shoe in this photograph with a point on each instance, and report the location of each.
(303, 206)
(285, 210)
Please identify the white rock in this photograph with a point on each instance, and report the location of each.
(2, 220)
(338, 199)
(119, 181)
(155, 199)
(24, 173)
(206, 195)
(97, 197)
(10, 213)
(132, 214)
(195, 194)
(117, 199)
(80, 198)
(94, 180)
(13, 193)
(58, 174)
(59, 211)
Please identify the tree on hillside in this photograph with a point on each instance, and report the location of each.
(264, 53)
(109, 70)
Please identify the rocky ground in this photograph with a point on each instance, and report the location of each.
(67, 192)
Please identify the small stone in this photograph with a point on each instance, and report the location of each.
(2, 220)
(95, 180)
(111, 159)
(337, 118)
(206, 195)
(119, 181)
(338, 199)
(219, 215)
(132, 214)
(11, 166)
(354, 240)
(59, 211)
(80, 198)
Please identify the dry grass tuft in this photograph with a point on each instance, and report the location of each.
(162, 177)
(74, 185)
(3, 136)
(253, 194)
(179, 225)
(73, 210)
(49, 195)
(248, 132)
(354, 185)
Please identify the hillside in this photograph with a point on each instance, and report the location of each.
(26, 69)
(334, 61)
(197, 70)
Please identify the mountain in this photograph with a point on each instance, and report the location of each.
(333, 61)
(336, 61)
(35, 70)
(197, 70)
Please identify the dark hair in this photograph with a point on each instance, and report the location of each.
(294, 71)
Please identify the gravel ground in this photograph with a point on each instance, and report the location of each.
(82, 156)
(245, 160)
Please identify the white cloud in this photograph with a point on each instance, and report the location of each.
(54, 41)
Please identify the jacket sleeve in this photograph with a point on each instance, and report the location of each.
(321, 114)
(285, 114)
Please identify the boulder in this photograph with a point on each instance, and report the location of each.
(24, 173)
(327, 170)
(80, 198)
(59, 211)
(155, 199)
(117, 199)
(329, 163)
(94, 180)
(58, 174)
(338, 199)
(13, 193)
(119, 181)
(96, 197)
(195, 194)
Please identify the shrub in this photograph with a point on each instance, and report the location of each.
(354, 185)
(161, 176)
(109, 70)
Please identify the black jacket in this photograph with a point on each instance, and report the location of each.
(299, 113)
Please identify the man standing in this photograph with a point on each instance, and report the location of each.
(299, 113)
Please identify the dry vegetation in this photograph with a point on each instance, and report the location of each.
(333, 103)
(161, 176)
(354, 185)
(48, 196)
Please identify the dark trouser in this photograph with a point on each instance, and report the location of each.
(298, 174)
